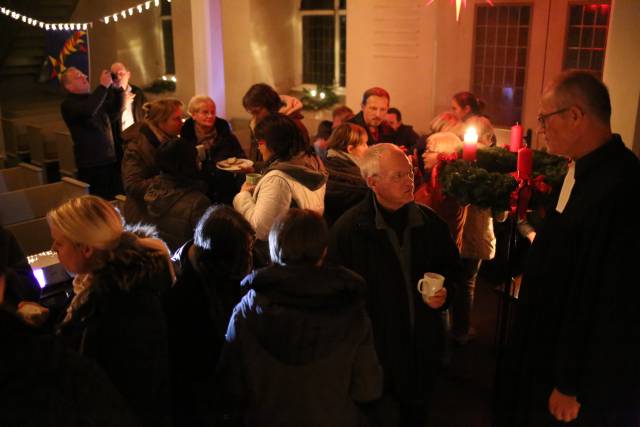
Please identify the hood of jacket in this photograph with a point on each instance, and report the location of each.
(299, 314)
(305, 168)
(135, 264)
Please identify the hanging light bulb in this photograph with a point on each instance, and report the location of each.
(147, 4)
(173, 79)
(29, 21)
(41, 24)
(156, 3)
(72, 26)
(130, 11)
(84, 27)
(66, 27)
(106, 19)
(24, 19)
(46, 27)
(115, 17)
(123, 13)
(54, 27)
(139, 8)
(164, 78)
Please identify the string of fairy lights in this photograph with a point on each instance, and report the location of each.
(84, 26)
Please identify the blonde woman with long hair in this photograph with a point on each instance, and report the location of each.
(116, 315)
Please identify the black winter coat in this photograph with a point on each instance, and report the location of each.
(198, 311)
(122, 326)
(223, 185)
(345, 187)
(299, 348)
(42, 383)
(175, 206)
(410, 354)
(88, 117)
(385, 132)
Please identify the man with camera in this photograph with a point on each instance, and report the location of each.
(88, 115)
(132, 112)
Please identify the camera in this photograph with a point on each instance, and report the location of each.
(114, 76)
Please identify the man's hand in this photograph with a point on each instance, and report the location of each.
(436, 300)
(128, 98)
(563, 407)
(105, 78)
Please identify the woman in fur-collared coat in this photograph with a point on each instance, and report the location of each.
(116, 316)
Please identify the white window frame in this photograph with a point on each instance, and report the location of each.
(336, 13)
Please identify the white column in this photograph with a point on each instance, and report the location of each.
(208, 57)
(621, 66)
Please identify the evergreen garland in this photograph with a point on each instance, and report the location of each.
(488, 182)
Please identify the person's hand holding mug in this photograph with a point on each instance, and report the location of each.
(434, 294)
(248, 187)
(437, 300)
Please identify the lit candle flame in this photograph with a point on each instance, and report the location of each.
(471, 135)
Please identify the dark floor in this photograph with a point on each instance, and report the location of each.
(464, 393)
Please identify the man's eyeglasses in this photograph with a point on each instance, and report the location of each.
(543, 117)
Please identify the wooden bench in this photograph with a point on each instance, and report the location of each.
(66, 156)
(14, 151)
(23, 212)
(22, 176)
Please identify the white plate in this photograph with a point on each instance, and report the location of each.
(238, 165)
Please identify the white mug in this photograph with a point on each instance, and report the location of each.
(430, 284)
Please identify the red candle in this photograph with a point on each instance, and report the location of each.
(470, 147)
(525, 163)
(516, 138)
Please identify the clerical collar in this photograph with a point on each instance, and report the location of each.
(591, 161)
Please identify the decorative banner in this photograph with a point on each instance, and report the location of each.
(66, 49)
(64, 26)
(84, 26)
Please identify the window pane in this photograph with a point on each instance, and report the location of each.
(318, 49)
(587, 36)
(167, 39)
(343, 51)
(500, 62)
(316, 4)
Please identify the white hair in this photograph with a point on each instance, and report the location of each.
(196, 103)
(370, 162)
(444, 142)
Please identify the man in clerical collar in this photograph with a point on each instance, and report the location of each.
(392, 242)
(575, 345)
(375, 103)
(132, 112)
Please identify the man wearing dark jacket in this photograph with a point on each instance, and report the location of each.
(391, 241)
(131, 112)
(404, 136)
(574, 349)
(375, 103)
(88, 117)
